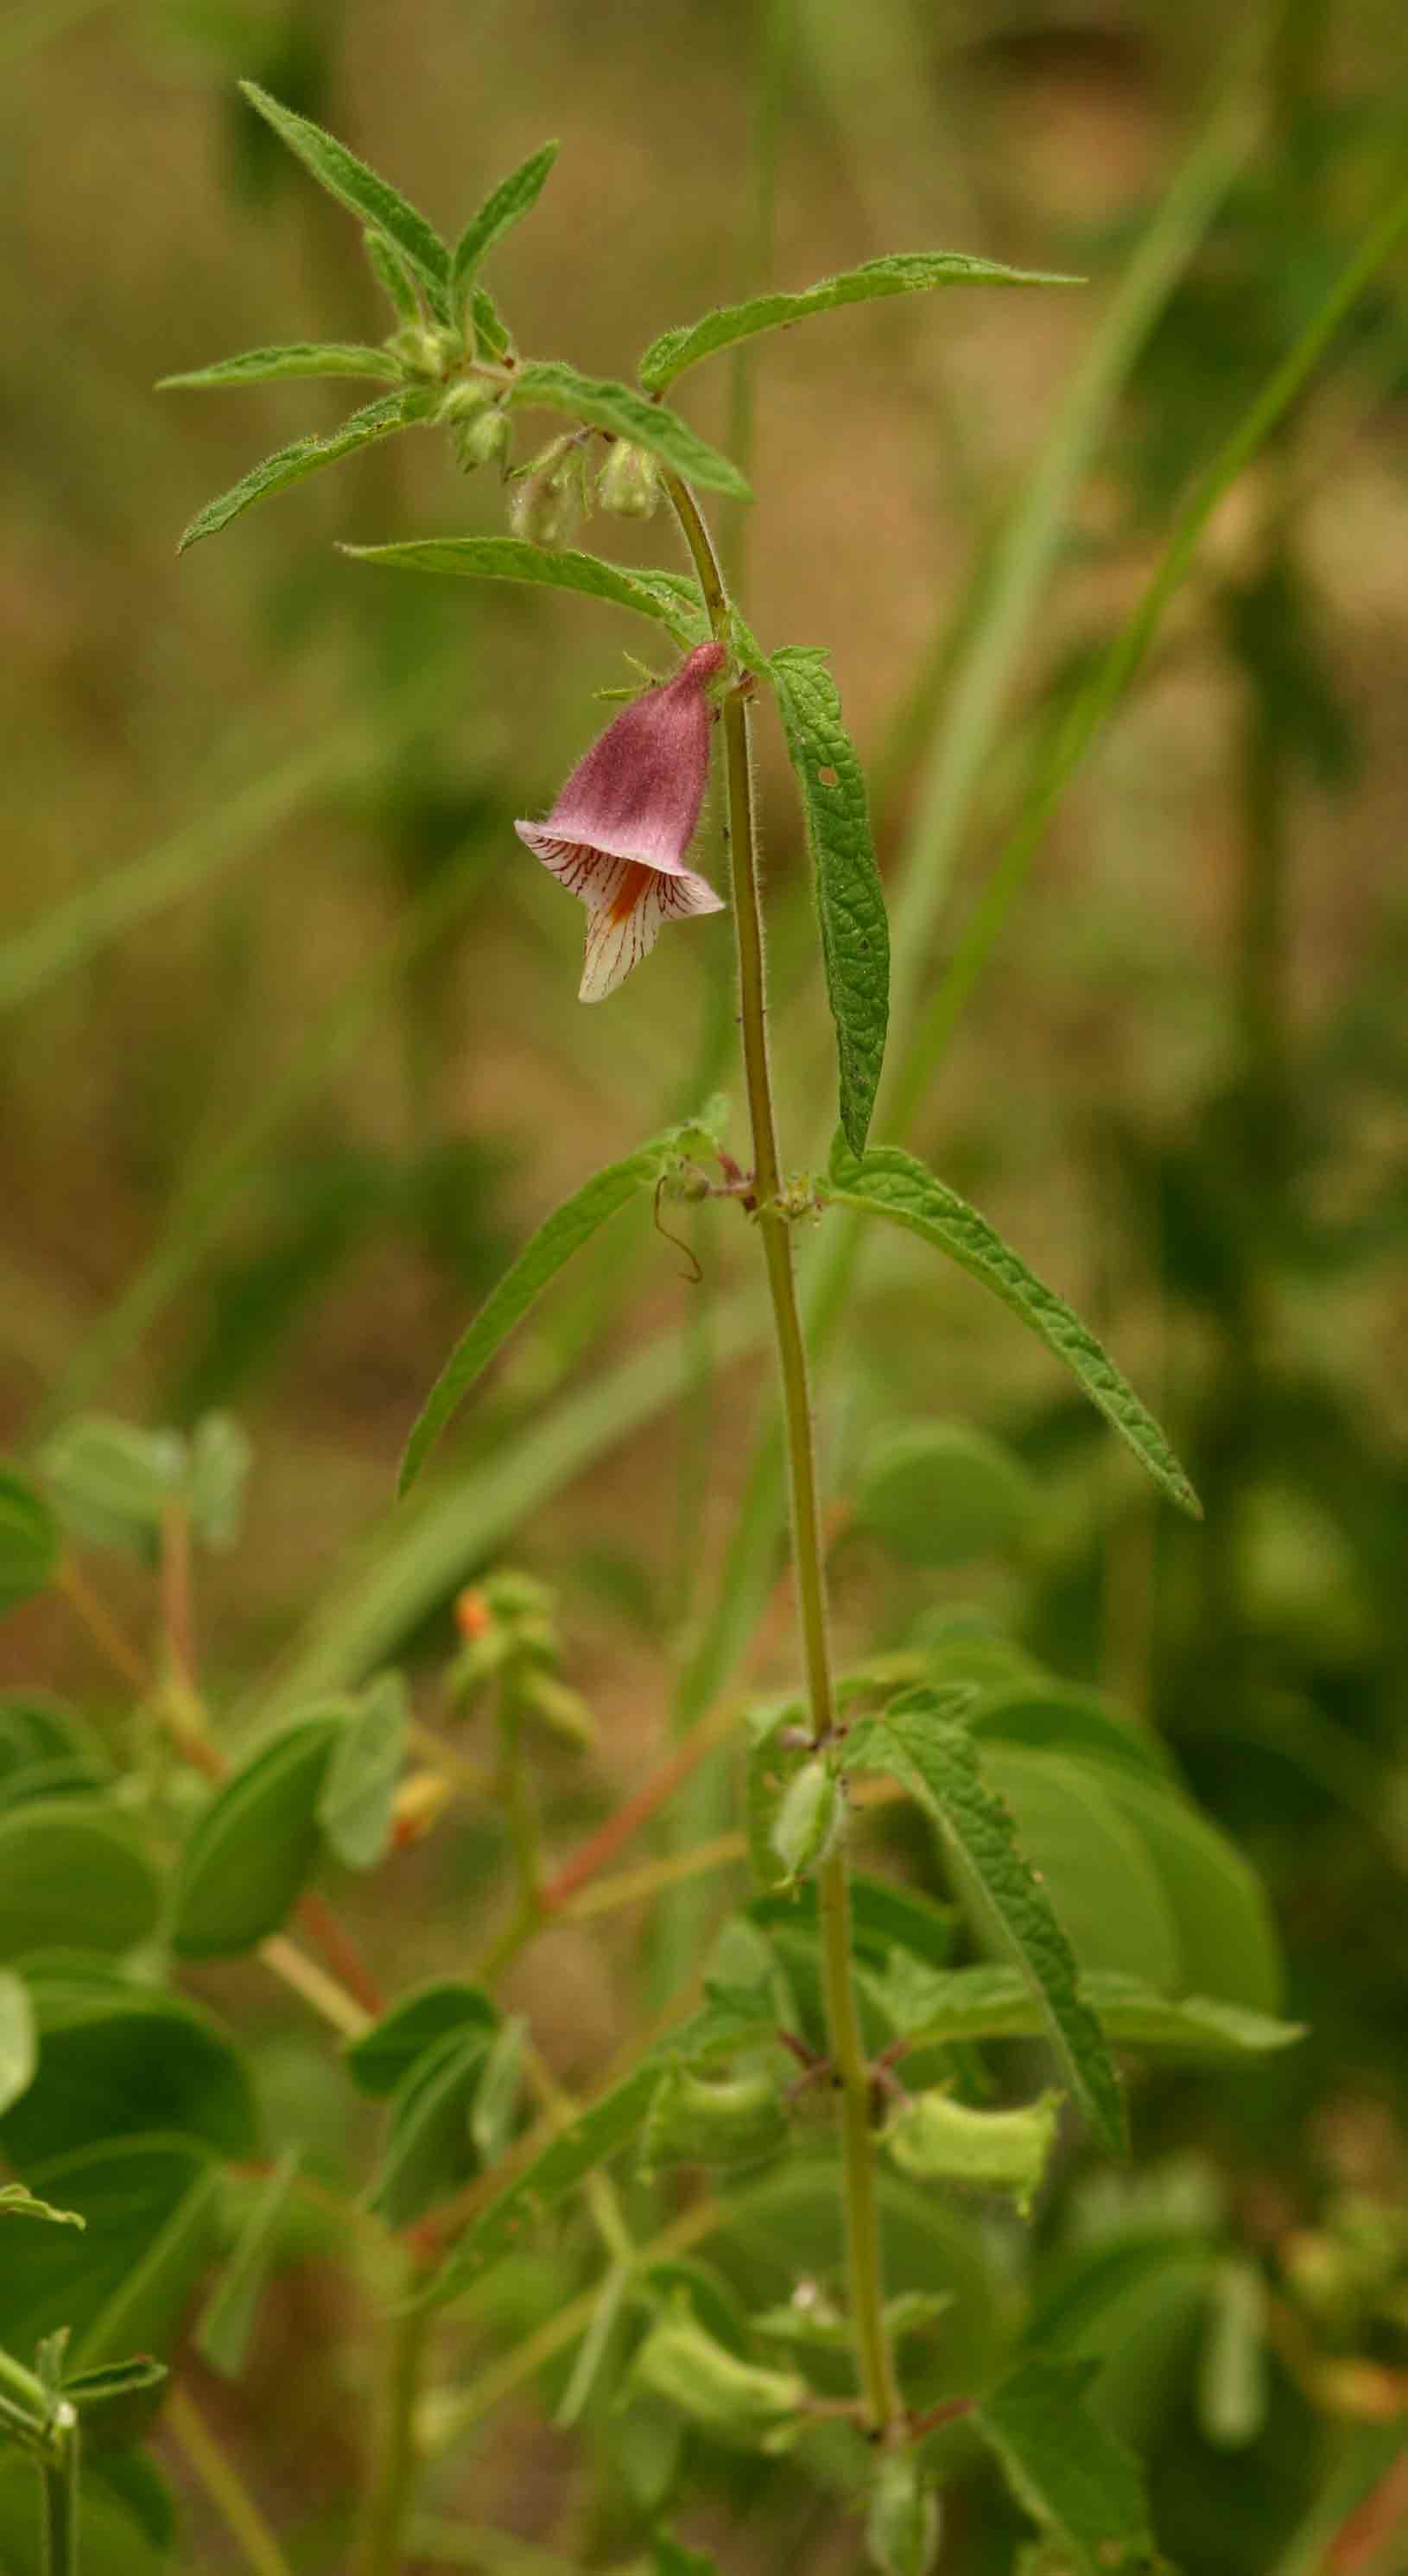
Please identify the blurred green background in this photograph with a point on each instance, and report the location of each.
(290, 1051)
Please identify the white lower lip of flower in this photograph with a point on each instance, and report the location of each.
(627, 903)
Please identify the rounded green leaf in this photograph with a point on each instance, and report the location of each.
(46, 1749)
(73, 1870)
(256, 1845)
(1228, 1948)
(217, 1472)
(111, 1481)
(429, 2148)
(29, 1541)
(117, 2060)
(938, 1493)
(384, 2055)
(1057, 1717)
(121, 2284)
(1102, 1885)
(357, 1800)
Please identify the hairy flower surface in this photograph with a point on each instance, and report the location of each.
(618, 834)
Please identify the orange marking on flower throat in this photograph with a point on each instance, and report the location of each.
(634, 880)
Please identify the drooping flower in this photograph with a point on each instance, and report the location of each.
(619, 832)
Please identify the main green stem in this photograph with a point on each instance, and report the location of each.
(848, 2058)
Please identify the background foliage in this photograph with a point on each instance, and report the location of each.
(291, 1070)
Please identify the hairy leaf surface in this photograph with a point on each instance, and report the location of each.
(886, 1182)
(855, 936)
(294, 358)
(665, 596)
(362, 191)
(379, 419)
(604, 404)
(898, 273)
(935, 1761)
(501, 209)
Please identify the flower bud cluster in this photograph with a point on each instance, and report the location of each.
(510, 1635)
(479, 428)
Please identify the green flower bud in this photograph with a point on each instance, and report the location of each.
(629, 482)
(551, 497)
(902, 2526)
(466, 397)
(735, 2401)
(707, 2120)
(939, 2140)
(511, 1595)
(485, 440)
(562, 1711)
(425, 352)
(809, 1819)
(478, 1662)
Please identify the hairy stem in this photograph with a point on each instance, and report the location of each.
(851, 2072)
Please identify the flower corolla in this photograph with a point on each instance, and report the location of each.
(619, 832)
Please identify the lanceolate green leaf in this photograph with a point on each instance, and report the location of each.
(948, 2004)
(295, 358)
(554, 1243)
(604, 404)
(901, 273)
(855, 937)
(666, 596)
(511, 199)
(889, 1183)
(361, 191)
(935, 1761)
(379, 419)
(1072, 2476)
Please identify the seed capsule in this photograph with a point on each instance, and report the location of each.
(902, 2526)
(735, 2401)
(939, 2140)
(707, 2120)
(809, 1819)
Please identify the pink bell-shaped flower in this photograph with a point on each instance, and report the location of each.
(618, 834)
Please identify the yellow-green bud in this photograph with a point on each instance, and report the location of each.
(425, 352)
(629, 482)
(808, 1820)
(512, 1595)
(478, 1662)
(902, 2526)
(706, 2120)
(736, 2402)
(467, 396)
(485, 440)
(550, 499)
(939, 2140)
(561, 1710)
